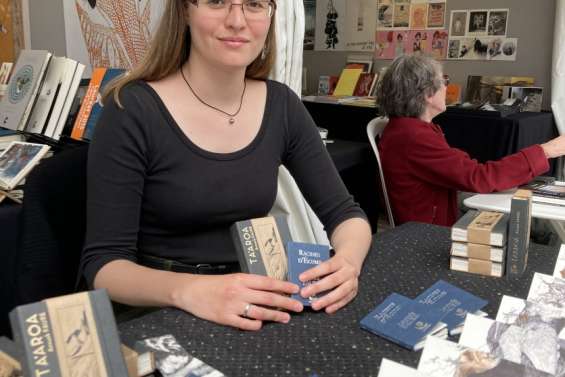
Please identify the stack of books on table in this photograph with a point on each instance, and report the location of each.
(438, 311)
(479, 243)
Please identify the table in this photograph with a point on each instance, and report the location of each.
(486, 137)
(482, 134)
(501, 202)
(406, 259)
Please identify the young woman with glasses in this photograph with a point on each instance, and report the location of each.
(191, 142)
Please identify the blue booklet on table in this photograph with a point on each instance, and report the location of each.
(302, 257)
(404, 321)
(454, 302)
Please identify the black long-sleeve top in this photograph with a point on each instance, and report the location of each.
(151, 190)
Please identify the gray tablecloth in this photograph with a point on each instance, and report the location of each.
(407, 260)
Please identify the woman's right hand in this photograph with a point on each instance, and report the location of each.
(239, 300)
(554, 147)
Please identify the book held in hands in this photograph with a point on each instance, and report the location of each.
(260, 246)
(302, 257)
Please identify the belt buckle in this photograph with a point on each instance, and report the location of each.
(203, 268)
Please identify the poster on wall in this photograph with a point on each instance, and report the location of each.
(414, 15)
(480, 34)
(310, 24)
(418, 16)
(12, 38)
(110, 33)
(393, 43)
(345, 25)
(436, 15)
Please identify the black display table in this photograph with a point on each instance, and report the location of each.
(406, 259)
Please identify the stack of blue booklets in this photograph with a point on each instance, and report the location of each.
(436, 311)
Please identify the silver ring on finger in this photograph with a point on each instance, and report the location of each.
(246, 311)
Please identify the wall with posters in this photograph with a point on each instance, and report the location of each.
(530, 21)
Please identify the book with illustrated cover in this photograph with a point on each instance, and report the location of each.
(302, 257)
(443, 358)
(513, 310)
(476, 266)
(391, 368)
(452, 301)
(519, 233)
(481, 227)
(477, 251)
(403, 321)
(23, 87)
(532, 341)
(172, 360)
(547, 290)
(109, 75)
(364, 85)
(260, 246)
(17, 160)
(73, 335)
(49, 90)
(9, 359)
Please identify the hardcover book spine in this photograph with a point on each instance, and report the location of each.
(247, 248)
(32, 330)
(518, 236)
(87, 103)
(34, 93)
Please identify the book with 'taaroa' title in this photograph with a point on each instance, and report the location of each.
(260, 246)
(73, 335)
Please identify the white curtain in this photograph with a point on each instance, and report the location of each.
(558, 72)
(303, 222)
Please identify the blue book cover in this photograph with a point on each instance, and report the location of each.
(302, 257)
(111, 73)
(454, 302)
(403, 321)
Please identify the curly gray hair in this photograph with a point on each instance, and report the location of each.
(405, 85)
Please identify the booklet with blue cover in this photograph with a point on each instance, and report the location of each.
(403, 321)
(454, 302)
(302, 257)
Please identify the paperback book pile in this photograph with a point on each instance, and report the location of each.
(439, 310)
(264, 246)
(479, 243)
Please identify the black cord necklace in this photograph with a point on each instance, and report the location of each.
(231, 119)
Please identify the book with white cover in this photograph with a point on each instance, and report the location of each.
(482, 227)
(476, 266)
(513, 310)
(65, 85)
(442, 358)
(559, 270)
(469, 250)
(43, 105)
(533, 341)
(391, 368)
(70, 96)
(548, 200)
(546, 289)
(17, 161)
(23, 88)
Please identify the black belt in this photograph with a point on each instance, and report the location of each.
(201, 268)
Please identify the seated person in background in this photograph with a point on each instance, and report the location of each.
(423, 173)
(189, 143)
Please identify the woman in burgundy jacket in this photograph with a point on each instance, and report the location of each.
(423, 173)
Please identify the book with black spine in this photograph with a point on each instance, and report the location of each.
(260, 246)
(519, 233)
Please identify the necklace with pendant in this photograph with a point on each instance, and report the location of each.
(231, 117)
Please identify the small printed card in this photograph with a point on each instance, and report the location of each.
(302, 257)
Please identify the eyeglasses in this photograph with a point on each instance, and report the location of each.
(253, 10)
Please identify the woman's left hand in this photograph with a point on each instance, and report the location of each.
(338, 276)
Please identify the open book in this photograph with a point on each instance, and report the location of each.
(17, 161)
